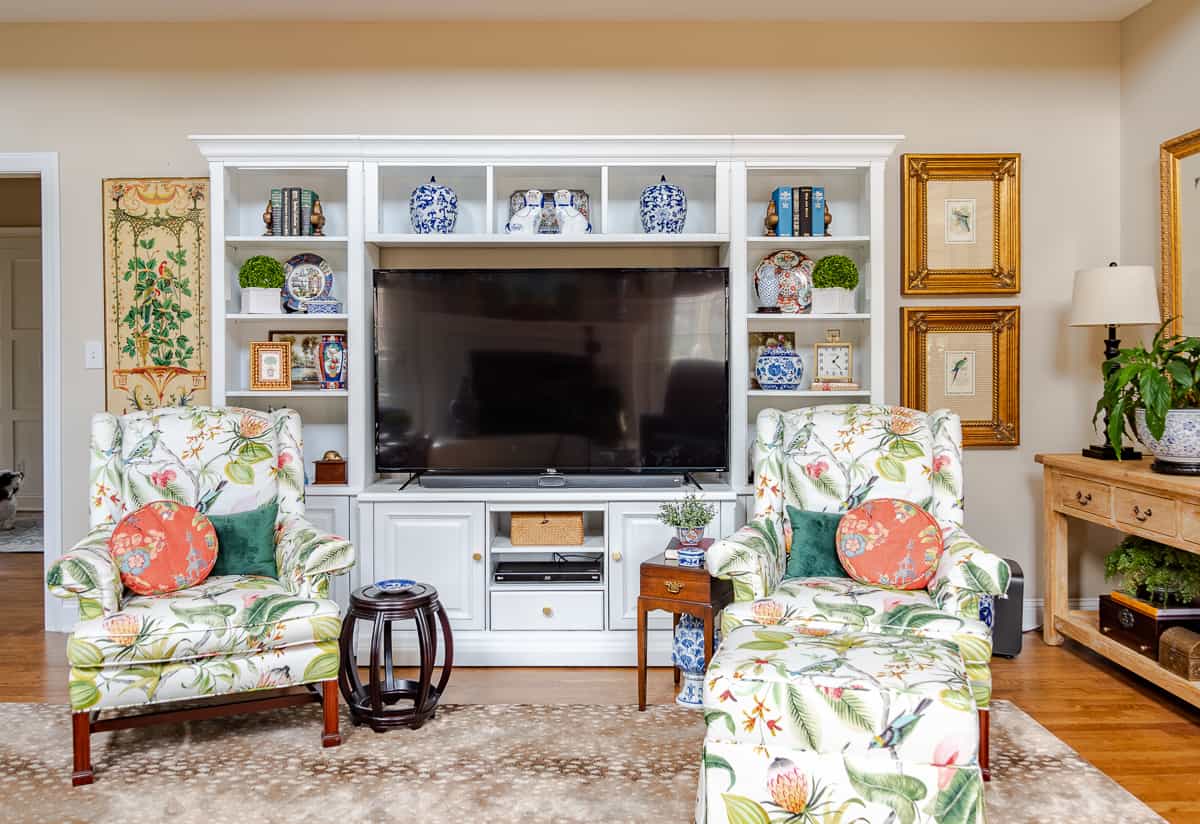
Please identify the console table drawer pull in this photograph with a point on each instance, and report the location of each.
(1142, 515)
(1082, 499)
(673, 587)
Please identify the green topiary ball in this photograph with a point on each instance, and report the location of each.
(834, 271)
(261, 272)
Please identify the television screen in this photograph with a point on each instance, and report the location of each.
(576, 370)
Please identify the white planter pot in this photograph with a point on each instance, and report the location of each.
(257, 300)
(1179, 447)
(832, 301)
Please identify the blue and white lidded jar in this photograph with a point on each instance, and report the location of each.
(687, 653)
(663, 208)
(433, 208)
(778, 367)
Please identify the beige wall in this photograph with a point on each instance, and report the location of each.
(20, 202)
(120, 100)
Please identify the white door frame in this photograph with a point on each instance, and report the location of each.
(45, 165)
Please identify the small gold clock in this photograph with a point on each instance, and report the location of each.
(833, 360)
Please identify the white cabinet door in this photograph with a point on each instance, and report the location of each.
(436, 543)
(636, 534)
(332, 514)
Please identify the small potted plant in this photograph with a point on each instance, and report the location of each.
(689, 517)
(1155, 393)
(1154, 571)
(261, 279)
(835, 278)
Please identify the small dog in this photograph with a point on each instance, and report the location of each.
(10, 485)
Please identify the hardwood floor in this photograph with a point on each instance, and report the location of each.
(1145, 739)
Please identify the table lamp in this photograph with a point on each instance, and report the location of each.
(1114, 296)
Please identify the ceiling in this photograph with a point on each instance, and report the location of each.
(683, 10)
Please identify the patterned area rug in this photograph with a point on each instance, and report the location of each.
(498, 763)
(26, 536)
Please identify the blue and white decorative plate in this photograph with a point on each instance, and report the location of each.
(663, 208)
(395, 586)
(433, 208)
(305, 277)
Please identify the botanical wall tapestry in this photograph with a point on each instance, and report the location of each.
(156, 280)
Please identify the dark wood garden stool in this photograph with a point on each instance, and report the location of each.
(371, 704)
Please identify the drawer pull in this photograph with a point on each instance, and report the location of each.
(616, 556)
(478, 556)
(547, 611)
(673, 587)
(1082, 499)
(1142, 515)
(1125, 617)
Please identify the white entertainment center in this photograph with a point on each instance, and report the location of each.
(452, 538)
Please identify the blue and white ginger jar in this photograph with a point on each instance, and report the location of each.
(433, 208)
(664, 208)
(687, 653)
(778, 367)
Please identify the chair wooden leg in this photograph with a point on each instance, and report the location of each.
(984, 730)
(81, 735)
(331, 737)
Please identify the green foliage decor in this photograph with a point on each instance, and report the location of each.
(158, 312)
(835, 271)
(261, 272)
(1162, 572)
(1164, 377)
(690, 513)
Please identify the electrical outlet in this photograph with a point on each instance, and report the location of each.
(93, 355)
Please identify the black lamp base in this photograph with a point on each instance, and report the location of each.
(1105, 452)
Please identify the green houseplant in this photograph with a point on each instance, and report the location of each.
(1155, 393)
(689, 517)
(1154, 571)
(835, 278)
(261, 278)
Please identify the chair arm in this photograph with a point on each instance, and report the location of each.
(89, 574)
(965, 574)
(307, 557)
(752, 558)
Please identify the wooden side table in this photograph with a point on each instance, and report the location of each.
(681, 591)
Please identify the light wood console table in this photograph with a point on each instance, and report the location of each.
(1123, 495)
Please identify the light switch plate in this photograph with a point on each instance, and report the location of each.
(93, 355)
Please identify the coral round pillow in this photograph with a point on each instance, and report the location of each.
(889, 542)
(163, 547)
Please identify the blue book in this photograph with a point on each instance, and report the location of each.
(818, 211)
(782, 198)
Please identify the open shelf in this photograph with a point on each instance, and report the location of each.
(284, 240)
(533, 241)
(591, 544)
(821, 240)
(286, 393)
(829, 318)
(808, 393)
(286, 319)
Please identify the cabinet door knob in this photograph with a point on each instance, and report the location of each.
(616, 556)
(547, 611)
(478, 556)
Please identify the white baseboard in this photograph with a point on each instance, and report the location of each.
(533, 649)
(1031, 611)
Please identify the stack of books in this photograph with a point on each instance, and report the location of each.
(801, 211)
(291, 211)
(833, 386)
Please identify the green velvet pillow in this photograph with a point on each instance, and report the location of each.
(814, 545)
(246, 542)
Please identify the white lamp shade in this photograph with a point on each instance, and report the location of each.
(1116, 295)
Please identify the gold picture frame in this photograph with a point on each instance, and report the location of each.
(970, 243)
(969, 360)
(270, 366)
(1170, 288)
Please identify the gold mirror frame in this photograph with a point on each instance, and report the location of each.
(1170, 288)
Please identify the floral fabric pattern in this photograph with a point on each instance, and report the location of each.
(163, 547)
(889, 542)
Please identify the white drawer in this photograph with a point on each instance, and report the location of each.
(533, 609)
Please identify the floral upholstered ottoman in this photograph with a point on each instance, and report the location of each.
(815, 726)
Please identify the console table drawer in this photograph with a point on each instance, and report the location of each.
(1085, 495)
(1146, 511)
(1189, 521)
(536, 609)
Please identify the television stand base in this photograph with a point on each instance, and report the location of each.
(551, 480)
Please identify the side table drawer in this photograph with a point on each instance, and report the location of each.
(1146, 511)
(1189, 521)
(1085, 495)
(547, 609)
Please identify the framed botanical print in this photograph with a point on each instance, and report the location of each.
(968, 360)
(270, 366)
(961, 224)
(306, 348)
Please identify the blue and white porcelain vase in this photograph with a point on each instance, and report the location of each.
(687, 653)
(433, 208)
(331, 361)
(778, 367)
(663, 208)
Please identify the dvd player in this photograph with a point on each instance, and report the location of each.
(536, 572)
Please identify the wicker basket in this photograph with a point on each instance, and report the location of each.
(547, 528)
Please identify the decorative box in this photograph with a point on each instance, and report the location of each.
(323, 306)
(1139, 625)
(663, 208)
(433, 208)
(331, 469)
(546, 529)
(1179, 652)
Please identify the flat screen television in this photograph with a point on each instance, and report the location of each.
(517, 371)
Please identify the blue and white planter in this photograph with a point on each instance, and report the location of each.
(779, 368)
(1179, 447)
(433, 208)
(663, 208)
(687, 653)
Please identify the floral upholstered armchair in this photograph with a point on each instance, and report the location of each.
(831, 459)
(230, 633)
